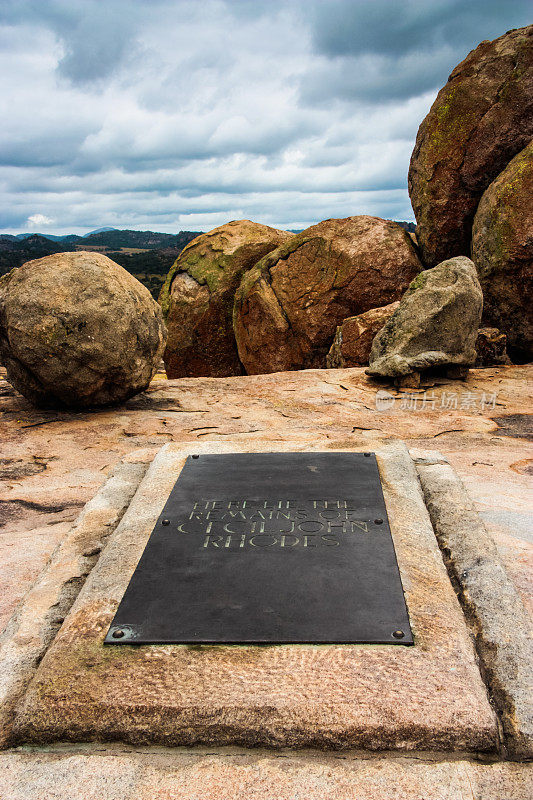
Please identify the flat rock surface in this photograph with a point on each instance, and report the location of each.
(429, 696)
(24, 554)
(53, 462)
(259, 775)
(44, 607)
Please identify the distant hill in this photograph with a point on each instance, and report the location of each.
(50, 236)
(113, 238)
(69, 237)
(147, 240)
(145, 254)
(410, 227)
(98, 230)
(14, 252)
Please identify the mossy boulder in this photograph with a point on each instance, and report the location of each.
(435, 324)
(289, 305)
(197, 298)
(77, 330)
(502, 250)
(480, 120)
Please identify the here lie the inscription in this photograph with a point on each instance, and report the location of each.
(240, 524)
(268, 548)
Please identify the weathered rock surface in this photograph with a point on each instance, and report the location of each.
(502, 250)
(253, 775)
(353, 339)
(38, 617)
(52, 463)
(77, 330)
(288, 306)
(435, 324)
(480, 120)
(197, 298)
(491, 348)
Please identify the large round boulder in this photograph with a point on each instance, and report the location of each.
(435, 325)
(77, 330)
(502, 250)
(480, 120)
(197, 298)
(289, 305)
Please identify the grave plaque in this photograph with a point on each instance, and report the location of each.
(264, 548)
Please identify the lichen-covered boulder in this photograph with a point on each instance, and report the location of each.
(77, 330)
(288, 306)
(435, 324)
(353, 339)
(502, 250)
(480, 120)
(491, 348)
(197, 298)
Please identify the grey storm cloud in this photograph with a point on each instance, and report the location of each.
(381, 50)
(177, 114)
(96, 36)
(396, 27)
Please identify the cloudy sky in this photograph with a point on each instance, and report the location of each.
(184, 114)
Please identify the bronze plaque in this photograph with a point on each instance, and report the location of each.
(268, 548)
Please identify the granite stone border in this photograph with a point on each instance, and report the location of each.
(38, 618)
(492, 606)
(490, 601)
(377, 697)
(231, 774)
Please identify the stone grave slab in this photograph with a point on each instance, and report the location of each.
(428, 696)
(257, 548)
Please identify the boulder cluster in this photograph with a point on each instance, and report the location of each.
(77, 330)
(228, 312)
(361, 291)
(289, 305)
(471, 179)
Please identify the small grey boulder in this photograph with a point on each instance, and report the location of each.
(77, 330)
(435, 324)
